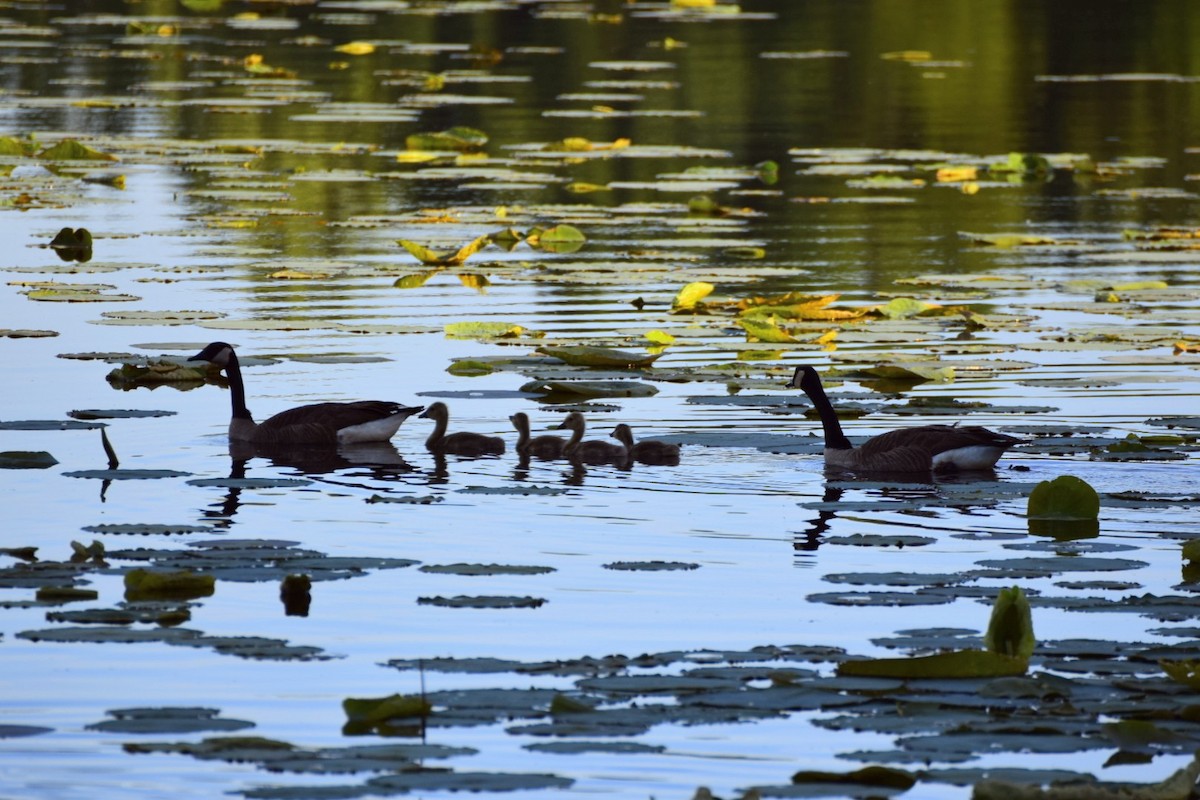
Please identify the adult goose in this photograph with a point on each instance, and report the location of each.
(545, 447)
(921, 449)
(320, 424)
(647, 451)
(460, 443)
(591, 451)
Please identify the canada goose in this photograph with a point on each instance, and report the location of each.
(462, 443)
(593, 451)
(545, 447)
(317, 424)
(921, 449)
(647, 451)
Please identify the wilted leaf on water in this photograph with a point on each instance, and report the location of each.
(587, 356)
(1010, 629)
(660, 338)
(794, 305)
(557, 239)
(427, 256)
(765, 330)
(414, 281)
(903, 308)
(483, 330)
(141, 584)
(72, 150)
(690, 295)
(296, 275)
(745, 252)
(459, 138)
(1010, 240)
(25, 459)
(356, 48)
(477, 282)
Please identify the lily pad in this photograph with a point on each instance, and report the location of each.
(463, 601)
(25, 459)
(587, 356)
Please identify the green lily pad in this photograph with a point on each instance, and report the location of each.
(25, 459)
(586, 356)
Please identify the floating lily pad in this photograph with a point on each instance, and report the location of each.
(147, 528)
(24, 459)
(544, 491)
(126, 474)
(463, 601)
(651, 566)
(167, 720)
(250, 483)
(485, 569)
(10, 731)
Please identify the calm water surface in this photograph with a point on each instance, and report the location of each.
(233, 174)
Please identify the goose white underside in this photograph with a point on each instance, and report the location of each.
(378, 430)
(975, 457)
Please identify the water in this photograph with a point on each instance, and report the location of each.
(202, 226)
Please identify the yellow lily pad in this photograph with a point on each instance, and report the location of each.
(690, 295)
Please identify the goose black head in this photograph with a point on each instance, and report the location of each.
(805, 378)
(218, 353)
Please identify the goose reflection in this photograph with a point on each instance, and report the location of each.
(342, 465)
(381, 458)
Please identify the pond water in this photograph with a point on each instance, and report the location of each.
(985, 211)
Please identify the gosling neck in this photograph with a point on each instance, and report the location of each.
(440, 420)
(522, 425)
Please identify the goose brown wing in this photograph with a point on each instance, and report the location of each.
(933, 439)
(320, 422)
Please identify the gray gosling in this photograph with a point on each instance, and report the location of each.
(461, 443)
(647, 451)
(546, 446)
(591, 451)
